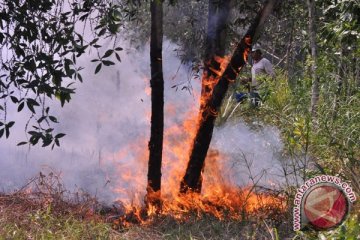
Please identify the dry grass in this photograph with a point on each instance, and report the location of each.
(44, 210)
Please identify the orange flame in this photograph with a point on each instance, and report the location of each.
(220, 197)
(248, 42)
(209, 81)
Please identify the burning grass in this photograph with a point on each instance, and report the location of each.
(43, 209)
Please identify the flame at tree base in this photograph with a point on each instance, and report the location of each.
(234, 205)
(220, 197)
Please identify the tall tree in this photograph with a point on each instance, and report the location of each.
(157, 105)
(313, 47)
(218, 15)
(192, 178)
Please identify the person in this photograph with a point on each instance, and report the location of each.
(261, 67)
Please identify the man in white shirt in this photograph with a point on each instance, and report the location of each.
(261, 67)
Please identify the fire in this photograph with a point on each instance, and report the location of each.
(248, 42)
(147, 88)
(220, 197)
(209, 81)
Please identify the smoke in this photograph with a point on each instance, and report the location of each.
(107, 125)
(253, 155)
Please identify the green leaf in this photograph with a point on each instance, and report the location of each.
(60, 135)
(14, 99)
(108, 63)
(80, 77)
(7, 132)
(49, 130)
(21, 143)
(64, 95)
(10, 124)
(34, 140)
(98, 68)
(102, 32)
(21, 106)
(31, 107)
(33, 133)
(32, 102)
(118, 57)
(47, 141)
(94, 41)
(30, 65)
(108, 53)
(53, 119)
(41, 119)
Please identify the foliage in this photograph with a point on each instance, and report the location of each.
(40, 43)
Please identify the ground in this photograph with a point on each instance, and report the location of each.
(51, 215)
(36, 216)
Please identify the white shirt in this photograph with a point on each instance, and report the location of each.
(263, 66)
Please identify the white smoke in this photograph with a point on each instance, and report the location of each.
(253, 155)
(110, 113)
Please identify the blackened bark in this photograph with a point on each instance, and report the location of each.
(217, 27)
(215, 45)
(191, 180)
(157, 105)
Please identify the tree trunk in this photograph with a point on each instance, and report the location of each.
(289, 62)
(192, 178)
(215, 47)
(339, 80)
(313, 47)
(216, 31)
(157, 106)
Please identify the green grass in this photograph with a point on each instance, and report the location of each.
(46, 225)
(23, 218)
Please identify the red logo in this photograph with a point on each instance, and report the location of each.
(326, 206)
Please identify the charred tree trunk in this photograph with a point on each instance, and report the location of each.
(215, 46)
(157, 106)
(216, 31)
(192, 178)
(313, 47)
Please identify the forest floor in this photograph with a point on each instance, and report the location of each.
(32, 216)
(43, 209)
(36, 216)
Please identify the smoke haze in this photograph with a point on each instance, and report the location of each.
(107, 125)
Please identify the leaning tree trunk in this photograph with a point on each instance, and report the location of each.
(313, 47)
(191, 180)
(157, 106)
(216, 35)
(215, 47)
